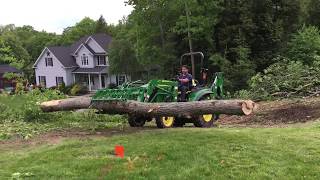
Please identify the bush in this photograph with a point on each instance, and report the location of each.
(19, 88)
(65, 89)
(286, 79)
(112, 86)
(77, 89)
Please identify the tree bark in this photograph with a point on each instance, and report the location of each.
(184, 109)
(66, 104)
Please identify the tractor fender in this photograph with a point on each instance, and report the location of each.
(199, 94)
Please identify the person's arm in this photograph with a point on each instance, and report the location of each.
(190, 78)
(186, 80)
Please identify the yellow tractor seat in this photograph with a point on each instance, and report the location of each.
(194, 83)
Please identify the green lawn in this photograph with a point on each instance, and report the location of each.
(21, 117)
(181, 153)
(187, 153)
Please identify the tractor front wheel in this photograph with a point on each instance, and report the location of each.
(165, 122)
(136, 121)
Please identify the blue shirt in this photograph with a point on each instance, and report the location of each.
(185, 76)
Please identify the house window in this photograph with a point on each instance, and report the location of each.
(49, 62)
(42, 81)
(84, 60)
(101, 60)
(59, 81)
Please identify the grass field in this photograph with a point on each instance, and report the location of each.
(79, 145)
(187, 153)
(21, 118)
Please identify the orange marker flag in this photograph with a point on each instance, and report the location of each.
(119, 151)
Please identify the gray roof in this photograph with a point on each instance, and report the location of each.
(104, 40)
(76, 45)
(96, 69)
(4, 68)
(64, 55)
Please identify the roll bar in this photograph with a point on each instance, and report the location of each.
(190, 54)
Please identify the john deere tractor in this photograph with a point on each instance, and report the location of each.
(167, 91)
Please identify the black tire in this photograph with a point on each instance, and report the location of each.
(178, 122)
(204, 121)
(165, 122)
(136, 121)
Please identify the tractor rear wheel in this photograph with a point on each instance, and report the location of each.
(165, 122)
(205, 120)
(136, 121)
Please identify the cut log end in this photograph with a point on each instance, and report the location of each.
(248, 107)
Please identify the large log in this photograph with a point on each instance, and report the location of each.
(66, 104)
(232, 107)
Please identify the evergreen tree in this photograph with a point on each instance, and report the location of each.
(101, 25)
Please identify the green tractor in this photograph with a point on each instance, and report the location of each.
(167, 91)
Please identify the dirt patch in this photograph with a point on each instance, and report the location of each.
(278, 113)
(56, 137)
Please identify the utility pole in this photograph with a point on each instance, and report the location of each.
(189, 38)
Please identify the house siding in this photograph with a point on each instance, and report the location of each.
(95, 46)
(50, 72)
(85, 51)
(69, 76)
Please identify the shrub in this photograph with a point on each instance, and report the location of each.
(19, 88)
(286, 79)
(112, 86)
(77, 89)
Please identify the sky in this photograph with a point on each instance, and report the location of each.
(55, 15)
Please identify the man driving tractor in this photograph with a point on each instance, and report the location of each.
(185, 82)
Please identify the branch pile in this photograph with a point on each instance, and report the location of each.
(286, 79)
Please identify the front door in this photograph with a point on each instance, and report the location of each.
(103, 81)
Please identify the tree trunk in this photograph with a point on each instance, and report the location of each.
(184, 109)
(66, 104)
(190, 40)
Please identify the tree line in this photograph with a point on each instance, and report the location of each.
(241, 38)
(21, 46)
(238, 37)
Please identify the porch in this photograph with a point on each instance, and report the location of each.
(97, 78)
(93, 82)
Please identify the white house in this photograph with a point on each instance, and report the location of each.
(85, 62)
